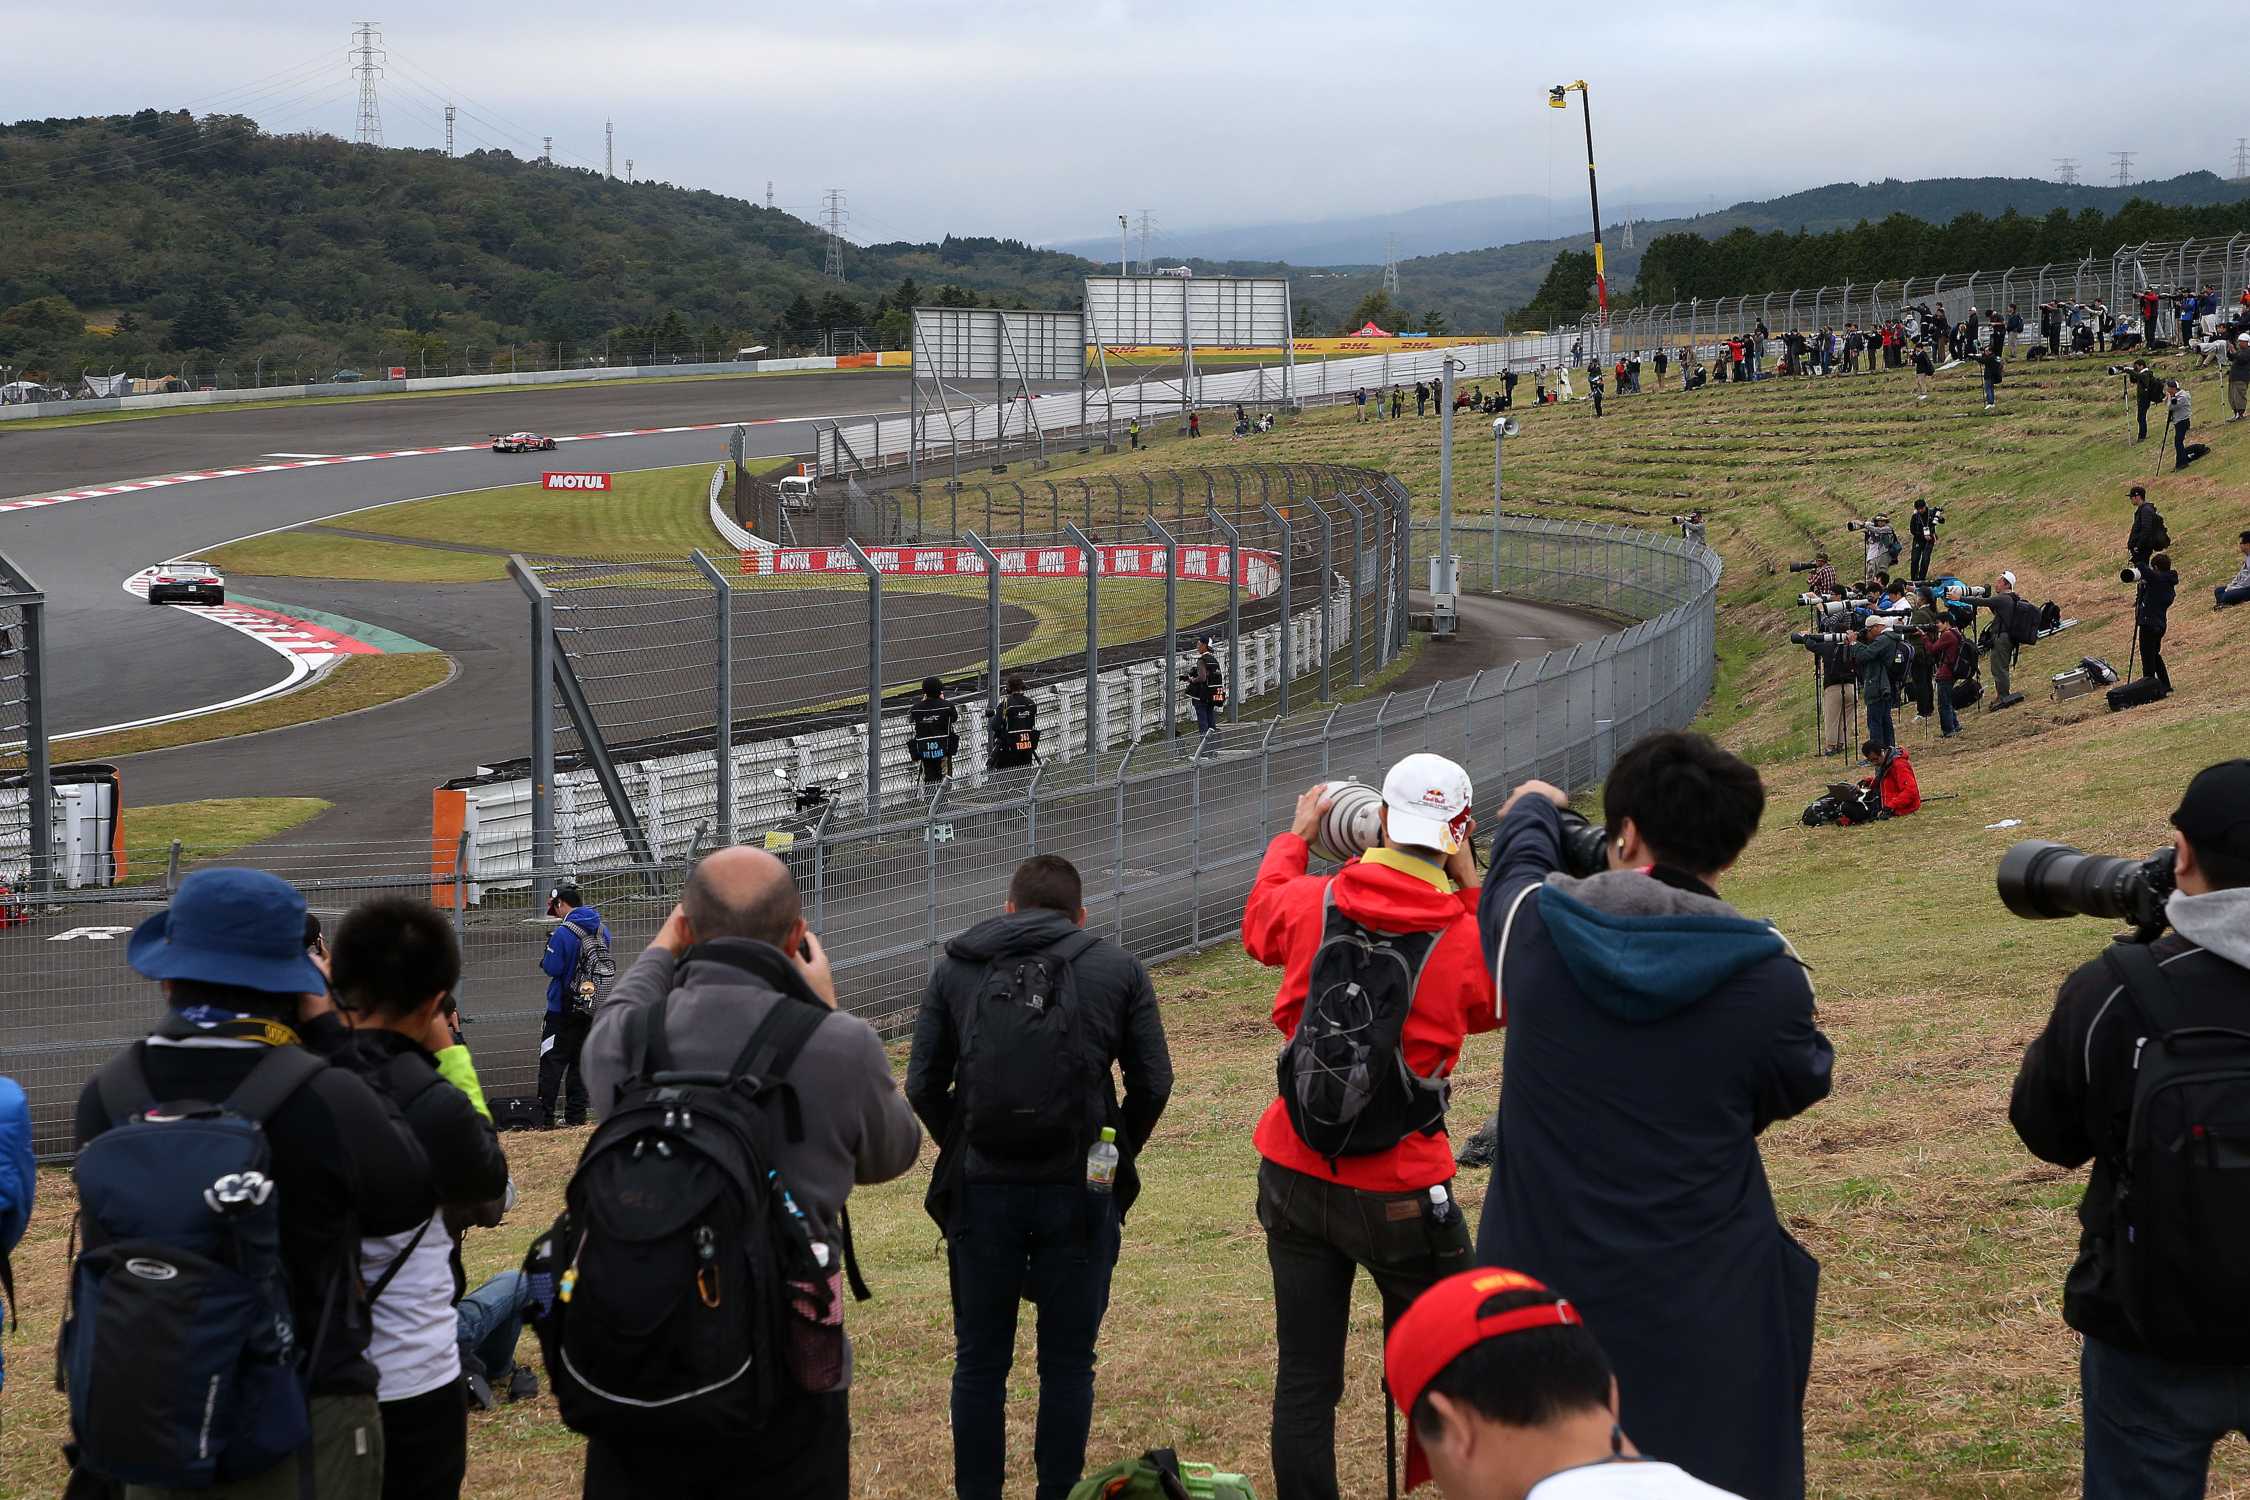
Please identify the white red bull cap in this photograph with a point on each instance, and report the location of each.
(1428, 797)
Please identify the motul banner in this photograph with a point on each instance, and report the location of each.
(574, 481)
(1199, 562)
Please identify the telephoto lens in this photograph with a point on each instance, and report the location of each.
(2042, 880)
(1585, 848)
(1353, 823)
(2128, 575)
(1803, 567)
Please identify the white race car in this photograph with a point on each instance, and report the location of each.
(522, 442)
(186, 583)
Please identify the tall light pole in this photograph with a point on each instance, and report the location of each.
(1443, 584)
(1124, 265)
(1555, 100)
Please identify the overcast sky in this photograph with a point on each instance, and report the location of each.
(1044, 121)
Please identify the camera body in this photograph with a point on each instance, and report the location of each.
(1585, 846)
(1936, 515)
(1695, 518)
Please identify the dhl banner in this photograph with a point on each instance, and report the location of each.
(1199, 563)
(1391, 345)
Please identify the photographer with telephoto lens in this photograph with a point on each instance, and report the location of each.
(2141, 1070)
(1626, 1171)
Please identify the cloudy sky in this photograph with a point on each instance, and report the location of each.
(1044, 119)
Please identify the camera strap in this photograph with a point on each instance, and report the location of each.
(1500, 953)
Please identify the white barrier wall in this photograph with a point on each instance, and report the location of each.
(677, 795)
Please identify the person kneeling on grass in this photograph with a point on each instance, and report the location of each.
(2237, 592)
(1889, 792)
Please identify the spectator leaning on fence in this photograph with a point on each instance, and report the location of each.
(1348, 1182)
(734, 949)
(1051, 1010)
(1653, 1032)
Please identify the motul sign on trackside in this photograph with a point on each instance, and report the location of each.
(574, 481)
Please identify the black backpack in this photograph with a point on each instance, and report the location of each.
(670, 1281)
(594, 973)
(1342, 1074)
(2023, 622)
(179, 1350)
(1028, 1104)
(2182, 1200)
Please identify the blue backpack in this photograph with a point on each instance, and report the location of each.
(179, 1351)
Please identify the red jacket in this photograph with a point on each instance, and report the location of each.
(1901, 793)
(1281, 927)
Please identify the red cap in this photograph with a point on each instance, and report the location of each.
(1445, 1323)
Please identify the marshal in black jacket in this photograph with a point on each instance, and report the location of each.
(1119, 1024)
(2073, 1096)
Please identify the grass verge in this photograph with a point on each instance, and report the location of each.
(319, 554)
(214, 826)
(354, 683)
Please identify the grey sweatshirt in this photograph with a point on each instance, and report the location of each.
(858, 1128)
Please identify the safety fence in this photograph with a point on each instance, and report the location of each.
(1166, 831)
(2220, 267)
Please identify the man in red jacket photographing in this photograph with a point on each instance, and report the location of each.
(1382, 977)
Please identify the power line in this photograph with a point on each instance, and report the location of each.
(2066, 170)
(833, 211)
(2124, 160)
(367, 57)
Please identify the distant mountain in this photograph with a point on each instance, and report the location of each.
(1362, 239)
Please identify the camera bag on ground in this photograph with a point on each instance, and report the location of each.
(179, 1351)
(1159, 1474)
(1342, 1074)
(2135, 693)
(1028, 1103)
(593, 974)
(2183, 1201)
(1966, 691)
(665, 1291)
(2090, 675)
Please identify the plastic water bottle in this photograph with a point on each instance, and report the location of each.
(1101, 1163)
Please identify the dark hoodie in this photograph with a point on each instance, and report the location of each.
(1118, 1027)
(1652, 1032)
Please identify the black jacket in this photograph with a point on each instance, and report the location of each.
(468, 1168)
(1836, 669)
(2073, 1095)
(2152, 609)
(1118, 1022)
(1653, 1032)
(2141, 540)
(1920, 525)
(346, 1165)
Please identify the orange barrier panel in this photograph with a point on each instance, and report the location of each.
(449, 815)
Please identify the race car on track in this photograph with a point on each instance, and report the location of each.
(186, 583)
(522, 442)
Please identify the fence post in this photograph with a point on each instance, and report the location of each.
(1359, 567)
(1327, 595)
(874, 681)
(1288, 621)
(542, 715)
(1117, 847)
(1093, 556)
(38, 808)
(991, 621)
(722, 739)
(1171, 626)
(1234, 612)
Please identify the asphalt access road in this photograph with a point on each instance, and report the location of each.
(114, 658)
(64, 458)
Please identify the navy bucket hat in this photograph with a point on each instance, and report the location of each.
(235, 927)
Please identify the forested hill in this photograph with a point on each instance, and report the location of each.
(175, 236)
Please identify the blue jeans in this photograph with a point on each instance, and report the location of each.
(1879, 721)
(2151, 1424)
(1206, 715)
(1989, 391)
(488, 1321)
(1053, 1245)
(2226, 595)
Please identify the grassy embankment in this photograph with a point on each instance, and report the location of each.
(1942, 1368)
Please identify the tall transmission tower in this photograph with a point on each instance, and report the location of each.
(449, 130)
(1390, 265)
(2241, 157)
(628, 169)
(834, 213)
(1148, 267)
(367, 61)
(2124, 160)
(1625, 240)
(2066, 170)
(769, 192)
(609, 149)
(547, 149)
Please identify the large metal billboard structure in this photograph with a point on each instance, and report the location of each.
(963, 353)
(1187, 313)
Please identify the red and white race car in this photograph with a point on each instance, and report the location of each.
(522, 442)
